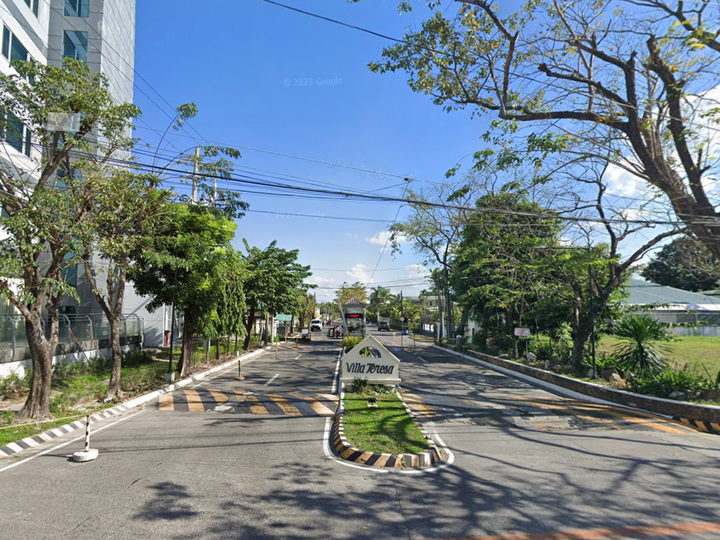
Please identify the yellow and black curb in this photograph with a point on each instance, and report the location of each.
(348, 452)
(700, 425)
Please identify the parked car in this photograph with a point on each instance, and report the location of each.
(384, 325)
(306, 334)
(316, 324)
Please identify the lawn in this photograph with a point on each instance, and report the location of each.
(697, 353)
(387, 428)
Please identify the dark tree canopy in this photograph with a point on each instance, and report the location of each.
(684, 264)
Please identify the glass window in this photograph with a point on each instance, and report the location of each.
(75, 45)
(33, 4)
(12, 49)
(18, 50)
(17, 134)
(77, 8)
(14, 132)
(6, 42)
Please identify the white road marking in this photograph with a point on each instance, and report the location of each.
(271, 380)
(135, 415)
(422, 359)
(297, 357)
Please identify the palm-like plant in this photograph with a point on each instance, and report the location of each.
(641, 351)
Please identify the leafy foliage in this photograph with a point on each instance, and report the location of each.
(684, 264)
(642, 351)
(667, 382)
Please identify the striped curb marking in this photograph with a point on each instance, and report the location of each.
(30, 442)
(348, 452)
(700, 425)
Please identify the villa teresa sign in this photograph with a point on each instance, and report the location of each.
(380, 368)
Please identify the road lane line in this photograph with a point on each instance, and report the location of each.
(297, 357)
(271, 380)
(284, 404)
(422, 359)
(81, 437)
(193, 400)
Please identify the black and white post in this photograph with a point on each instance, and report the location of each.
(87, 454)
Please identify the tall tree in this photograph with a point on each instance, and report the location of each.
(128, 211)
(624, 81)
(47, 217)
(187, 267)
(347, 292)
(273, 284)
(684, 264)
(380, 300)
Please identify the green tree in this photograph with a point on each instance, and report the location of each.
(187, 267)
(379, 304)
(621, 81)
(684, 264)
(346, 292)
(128, 211)
(273, 283)
(47, 217)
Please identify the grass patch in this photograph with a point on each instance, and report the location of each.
(78, 389)
(388, 428)
(698, 353)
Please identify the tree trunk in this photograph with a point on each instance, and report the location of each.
(114, 385)
(217, 349)
(248, 326)
(37, 405)
(187, 342)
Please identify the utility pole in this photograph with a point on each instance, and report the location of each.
(448, 305)
(196, 162)
(402, 320)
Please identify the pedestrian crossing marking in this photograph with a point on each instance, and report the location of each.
(568, 410)
(416, 403)
(292, 403)
(283, 403)
(255, 406)
(635, 417)
(166, 402)
(194, 400)
(319, 408)
(218, 395)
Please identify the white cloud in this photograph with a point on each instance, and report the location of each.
(621, 182)
(383, 238)
(417, 270)
(359, 272)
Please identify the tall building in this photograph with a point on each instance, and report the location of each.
(101, 33)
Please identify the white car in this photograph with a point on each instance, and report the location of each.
(316, 324)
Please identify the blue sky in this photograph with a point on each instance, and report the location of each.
(265, 78)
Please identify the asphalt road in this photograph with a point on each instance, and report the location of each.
(248, 459)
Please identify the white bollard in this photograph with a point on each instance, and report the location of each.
(88, 454)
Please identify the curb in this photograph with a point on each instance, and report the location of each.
(700, 425)
(348, 452)
(16, 447)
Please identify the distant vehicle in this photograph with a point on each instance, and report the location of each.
(335, 331)
(384, 325)
(316, 324)
(306, 334)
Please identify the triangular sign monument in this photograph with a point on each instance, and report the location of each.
(377, 366)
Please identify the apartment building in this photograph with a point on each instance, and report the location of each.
(101, 33)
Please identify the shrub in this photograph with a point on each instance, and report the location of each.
(667, 382)
(641, 351)
(363, 386)
(350, 341)
(12, 383)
